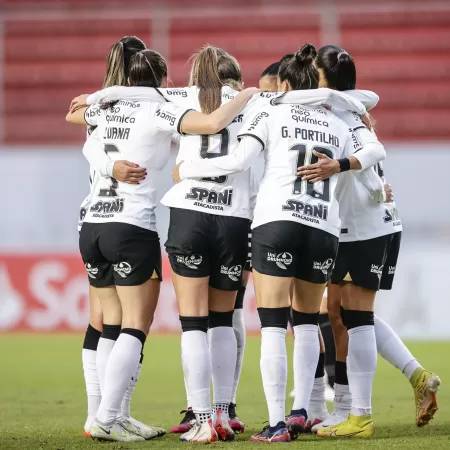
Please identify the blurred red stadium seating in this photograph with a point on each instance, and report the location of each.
(402, 53)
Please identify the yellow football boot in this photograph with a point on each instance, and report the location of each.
(425, 385)
(353, 427)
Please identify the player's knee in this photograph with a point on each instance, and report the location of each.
(220, 319)
(353, 318)
(274, 317)
(189, 323)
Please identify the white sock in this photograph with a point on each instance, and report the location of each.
(197, 369)
(91, 380)
(361, 366)
(122, 365)
(186, 389)
(222, 347)
(126, 401)
(104, 349)
(306, 356)
(273, 365)
(342, 398)
(392, 348)
(317, 403)
(240, 333)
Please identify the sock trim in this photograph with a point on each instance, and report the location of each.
(138, 334)
(110, 332)
(191, 323)
(220, 319)
(91, 338)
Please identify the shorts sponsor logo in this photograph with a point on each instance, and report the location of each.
(192, 261)
(91, 271)
(391, 270)
(282, 260)
(378, 270)
(122, 268)
(233, 272)
(323, 266)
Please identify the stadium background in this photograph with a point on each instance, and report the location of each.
(52, 50)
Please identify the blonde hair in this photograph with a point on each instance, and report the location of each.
(212, 68)
(118, 60)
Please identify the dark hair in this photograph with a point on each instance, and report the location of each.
(118, 60)
(212, 68)
(271, 71)
(147, 68)
(300, 69)
(338, 66)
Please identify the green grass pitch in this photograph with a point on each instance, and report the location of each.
(43, 402)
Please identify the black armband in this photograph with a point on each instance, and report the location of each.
(344, 164)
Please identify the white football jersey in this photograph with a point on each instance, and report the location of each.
(289, 134)
(139, 132)
(362, 217)
(226, 195)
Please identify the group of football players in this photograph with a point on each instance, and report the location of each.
(319, 217)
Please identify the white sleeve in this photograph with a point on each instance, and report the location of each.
(322, 97)
(368, 150)
(133, 93)
(168, 117)
(93, 151)
(92, 114)
(373, 183)
(238, 161)
(368, 98)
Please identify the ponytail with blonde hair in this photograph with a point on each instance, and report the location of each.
(212, 68)
(118, 60)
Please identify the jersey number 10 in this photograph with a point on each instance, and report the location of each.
(306, 157)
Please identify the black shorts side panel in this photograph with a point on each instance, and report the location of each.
(290, 249)
(120, 254)
(387, 278)
(201, 244)
(363, 261)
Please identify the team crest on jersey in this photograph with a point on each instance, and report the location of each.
(192, 261)
(91, 271)
(122, 268)
(233, 272)
(282, 260)
(378, 270)
(323, 266)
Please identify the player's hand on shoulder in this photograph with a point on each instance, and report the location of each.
(78, 102)
(128, 172)
(324, 168)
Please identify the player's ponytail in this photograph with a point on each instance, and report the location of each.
(118, 60)
(147, 68)
(300, 70)
(338, 67)
(213, 68)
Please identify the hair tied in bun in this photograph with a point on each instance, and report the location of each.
(341, 54)
(306, 54)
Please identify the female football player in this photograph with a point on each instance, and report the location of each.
(118, 61)
(366, 261)
(295, 229)
(118, 240)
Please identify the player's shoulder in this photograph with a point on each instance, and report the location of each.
(350, 118)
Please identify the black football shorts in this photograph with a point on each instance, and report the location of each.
(201, 244)
(364, 263)
(290, 249)
(120, 254)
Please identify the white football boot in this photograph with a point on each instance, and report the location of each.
(201, 433)
(114, 432)
(141, 429)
